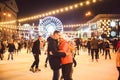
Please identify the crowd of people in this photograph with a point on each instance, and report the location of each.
(12, 46)
(61, 52)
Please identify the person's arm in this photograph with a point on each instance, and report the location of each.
(118, 45)
(55, 52)
(64, 47)
(118, 59)
(58, 54)
(74, 61)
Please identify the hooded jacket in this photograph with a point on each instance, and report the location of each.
(64, 47)
(55, 59)
(36, 47)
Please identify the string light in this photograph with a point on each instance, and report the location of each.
(94, 1)
(81, 4)
(53, 12)
(64, 9)
(70, 7)
(87, 2)
(74, 25)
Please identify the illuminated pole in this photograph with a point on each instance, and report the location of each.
(118, 29)
(88, 14)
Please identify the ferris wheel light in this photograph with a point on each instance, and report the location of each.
(48, 25)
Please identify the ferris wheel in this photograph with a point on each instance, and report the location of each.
(48, 25)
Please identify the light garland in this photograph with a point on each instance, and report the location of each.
(60, 10)
(53, 12)
(21, 27)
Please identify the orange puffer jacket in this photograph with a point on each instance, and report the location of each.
(64, 47)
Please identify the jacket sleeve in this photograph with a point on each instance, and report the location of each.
(117, 60)
(59, 54)
(64, 47)
(118, 45)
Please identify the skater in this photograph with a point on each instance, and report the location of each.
(36, 52)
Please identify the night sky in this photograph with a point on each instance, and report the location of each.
(33, 7)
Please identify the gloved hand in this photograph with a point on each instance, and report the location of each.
(74, 62)
(45, 65)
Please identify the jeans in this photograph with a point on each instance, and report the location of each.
(67, 71)
(94, 51)
(36, 62)
(10, 54)
(119, 73)
(107, 52)
(55, 74)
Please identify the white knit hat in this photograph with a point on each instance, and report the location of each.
(62, 35)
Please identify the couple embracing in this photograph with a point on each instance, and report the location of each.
(59, 56)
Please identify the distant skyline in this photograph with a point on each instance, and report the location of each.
(33, 7)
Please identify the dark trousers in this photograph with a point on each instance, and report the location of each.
(103, 50)
(66, 71)
(1, 56)
(119, 73)
(107, 52)
(89, 51)
(94, 51)
(78, 49)
(56, 74)
(46, 59)
(36, 61)
(10, 54)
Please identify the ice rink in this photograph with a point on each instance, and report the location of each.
(18, 69)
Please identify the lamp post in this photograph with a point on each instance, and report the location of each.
(118, 32)
(88, 13)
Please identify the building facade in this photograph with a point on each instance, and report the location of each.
(8, 13)
(103, 25)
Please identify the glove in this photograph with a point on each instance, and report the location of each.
(75, 63)
(45, 65)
